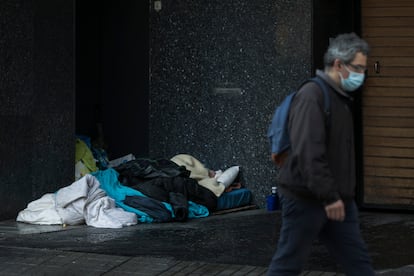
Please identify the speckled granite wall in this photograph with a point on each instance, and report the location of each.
(36, 100)
(218, 68)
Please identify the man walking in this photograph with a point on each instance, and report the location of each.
(317, 180)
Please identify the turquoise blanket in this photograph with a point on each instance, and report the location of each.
(108, 180)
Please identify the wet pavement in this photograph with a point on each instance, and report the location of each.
(245, 238)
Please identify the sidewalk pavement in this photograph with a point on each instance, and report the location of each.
(240, 243)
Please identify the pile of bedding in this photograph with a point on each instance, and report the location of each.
(139, 191)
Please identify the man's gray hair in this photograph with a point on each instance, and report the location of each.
(344, 47)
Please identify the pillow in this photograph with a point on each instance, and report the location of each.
(228, 176)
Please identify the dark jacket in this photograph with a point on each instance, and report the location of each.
(321, 164)
(142, 169)
(178, 191)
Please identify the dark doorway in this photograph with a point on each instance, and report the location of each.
(112, 50)
(330, 18)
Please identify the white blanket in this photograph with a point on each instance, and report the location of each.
(81, 202)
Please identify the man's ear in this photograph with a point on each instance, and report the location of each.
(337, 64)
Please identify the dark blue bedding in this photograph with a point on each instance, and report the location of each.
(235, 198)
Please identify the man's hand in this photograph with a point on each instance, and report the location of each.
(336, 210)
(279, 159)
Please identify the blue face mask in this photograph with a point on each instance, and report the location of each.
(353, 82)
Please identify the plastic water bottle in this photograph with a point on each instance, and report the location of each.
(272, 200)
